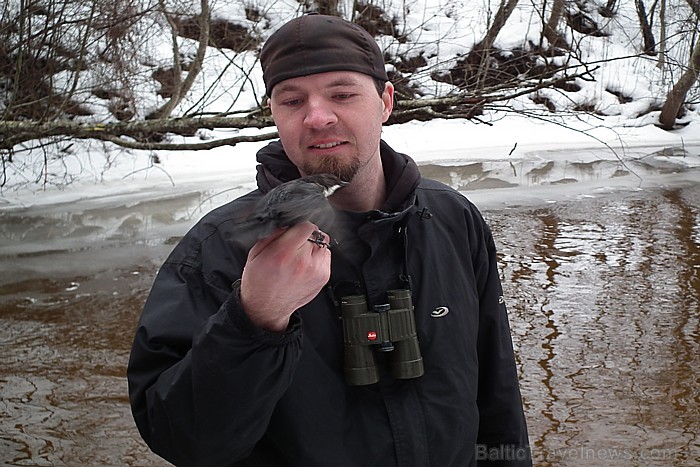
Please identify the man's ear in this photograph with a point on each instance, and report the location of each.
(388, 100)
(267, 107)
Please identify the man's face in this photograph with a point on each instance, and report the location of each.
(331, 122)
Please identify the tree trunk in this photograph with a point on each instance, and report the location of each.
(181, 88)
(662, 43)
(551, 31)
(479, 57)
(502, 15)
(676, 97)
(647, 33)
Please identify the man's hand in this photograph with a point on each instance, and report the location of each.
(283, 272)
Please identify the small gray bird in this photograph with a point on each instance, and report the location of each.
(293, 202)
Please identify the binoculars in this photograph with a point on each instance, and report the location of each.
(390, 328)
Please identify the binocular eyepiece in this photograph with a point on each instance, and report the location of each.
(389, 328)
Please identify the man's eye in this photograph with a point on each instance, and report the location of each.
(344, 96)
(291, 102)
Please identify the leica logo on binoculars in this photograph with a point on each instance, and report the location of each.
(388, 327)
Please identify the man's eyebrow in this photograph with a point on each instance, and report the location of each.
(283, 87)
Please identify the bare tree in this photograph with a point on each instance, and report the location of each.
(499, 20)
(179, 87)
(649, 46)
(474, 70)
(551, 27)
(37, 47)
(662, 39)
(676, 97)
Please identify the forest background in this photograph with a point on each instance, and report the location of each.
(87, 87)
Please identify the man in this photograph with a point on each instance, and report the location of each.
(238, 358)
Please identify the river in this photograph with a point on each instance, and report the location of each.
(601, 270)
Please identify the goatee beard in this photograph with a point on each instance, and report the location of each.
(344, 170)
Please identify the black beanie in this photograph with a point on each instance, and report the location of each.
(314, 44)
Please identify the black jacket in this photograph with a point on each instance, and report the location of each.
(209, 388)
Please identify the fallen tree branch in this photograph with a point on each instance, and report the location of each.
(149, 134)
(15, 132)
(129, 144)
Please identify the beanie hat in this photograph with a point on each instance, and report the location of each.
(316, 43)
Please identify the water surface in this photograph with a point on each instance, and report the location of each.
(603, 288)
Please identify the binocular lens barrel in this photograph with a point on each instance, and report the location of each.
(360, 366)
(390, 328)
(407, 361)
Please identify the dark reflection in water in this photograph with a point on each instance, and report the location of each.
(604, 296)
(63, 395)
(605, 309)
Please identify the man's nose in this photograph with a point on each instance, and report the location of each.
(319, 114)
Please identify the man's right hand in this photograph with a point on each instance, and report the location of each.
(283, 272)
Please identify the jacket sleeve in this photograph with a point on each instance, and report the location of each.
(502, 438)
(203, 380)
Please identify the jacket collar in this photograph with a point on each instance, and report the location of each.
(401, 173)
